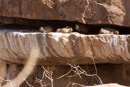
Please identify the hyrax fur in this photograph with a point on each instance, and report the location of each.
(81, 28)
(107, 30)
(46, 29)
(64, 30)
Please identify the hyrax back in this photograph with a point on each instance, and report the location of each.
(65, 30)
(81, 28)
(46, 29)
(107, 30)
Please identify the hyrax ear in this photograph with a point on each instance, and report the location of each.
(58, 30)
(71, 29)
(117, 32)
(77, 27)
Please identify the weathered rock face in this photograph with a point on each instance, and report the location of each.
(60, 48)
(85, 11)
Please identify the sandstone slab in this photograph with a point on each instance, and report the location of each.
(62, 48)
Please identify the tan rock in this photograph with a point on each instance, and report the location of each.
(3, 71)
(63, 48)
(108, 85)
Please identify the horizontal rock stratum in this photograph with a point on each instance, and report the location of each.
(84, 11)
(61, 48)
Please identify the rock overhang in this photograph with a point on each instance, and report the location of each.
(83, 11)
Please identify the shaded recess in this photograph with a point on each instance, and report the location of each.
(33, 24)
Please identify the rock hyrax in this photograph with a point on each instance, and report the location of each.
(46, 29)
(81, 28)
(107, 30)
(65, 30)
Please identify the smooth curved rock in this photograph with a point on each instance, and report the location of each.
(108, 85)
(84, 11)
(59, 48)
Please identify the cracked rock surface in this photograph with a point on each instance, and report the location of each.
(84, 11)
